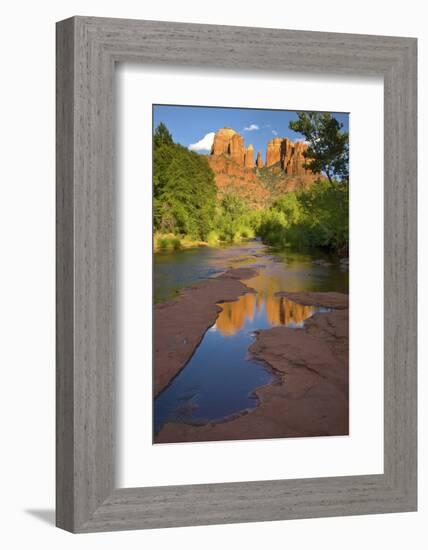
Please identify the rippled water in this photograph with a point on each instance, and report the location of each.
(220, 378)
(290, 270)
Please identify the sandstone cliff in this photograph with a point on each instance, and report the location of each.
(222, 140)
(273, 151)
(236, 171)
(249, 157)
(236, 148)
(238, 180)
(290, 156)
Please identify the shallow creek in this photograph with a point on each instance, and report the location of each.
(220, 378)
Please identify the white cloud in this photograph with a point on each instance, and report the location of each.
(274, 132)
(251, 127)
(203, 144)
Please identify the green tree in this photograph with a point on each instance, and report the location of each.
(328, 151)
(234, 219)
(290, 206)
(184, 190)
(313, 218)
(233, 206)
(162, 136)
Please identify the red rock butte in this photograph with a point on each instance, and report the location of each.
(288, 155)
(238, 171)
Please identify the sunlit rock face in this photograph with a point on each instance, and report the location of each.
(237, 149)
(236, 179)
(249, 157)
(287, 150)
(290, 156)
(273, 151)
(222, 139)
(296, 164)
(230, 143)
(233, 165)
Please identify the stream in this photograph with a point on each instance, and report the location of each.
(220, 378)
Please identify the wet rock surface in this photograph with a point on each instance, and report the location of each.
(311, 395)
(334, 300)
(180, 324)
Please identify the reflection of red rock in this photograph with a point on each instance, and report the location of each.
(279, 311)
(259, 302)
(179, 325)
(311, 399)
(233, 314)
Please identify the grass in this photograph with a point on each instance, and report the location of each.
(163, 242)
(169, 242)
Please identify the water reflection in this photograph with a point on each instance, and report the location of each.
(279, 311)
(220, 378)
(233, 314)
(290, 270)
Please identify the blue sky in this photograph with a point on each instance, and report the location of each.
(193, 127)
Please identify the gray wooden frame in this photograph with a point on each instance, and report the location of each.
(87, 50)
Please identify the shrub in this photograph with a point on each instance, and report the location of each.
(166, 242)
(317, 217)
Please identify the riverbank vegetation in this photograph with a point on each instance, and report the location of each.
(315, 218)
(188, 213)
(184, 191)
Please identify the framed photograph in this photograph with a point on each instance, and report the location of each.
(254, 239)
(236, 274)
